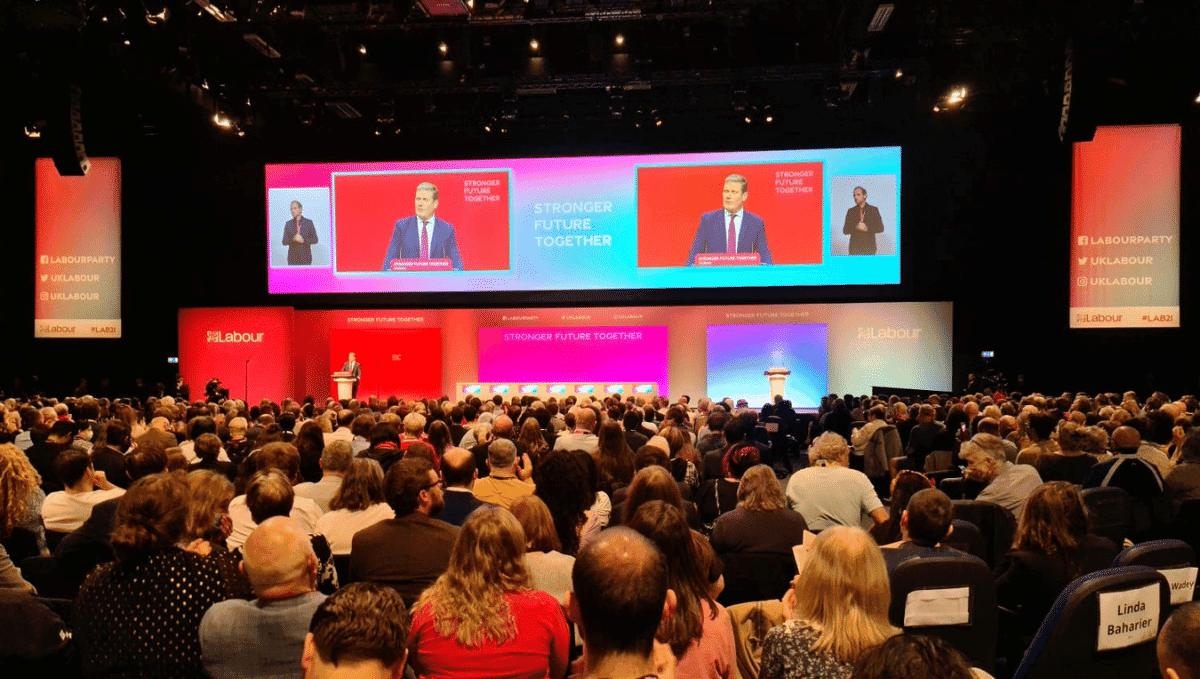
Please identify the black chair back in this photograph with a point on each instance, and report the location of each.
(1067, 643)
(996, 523)
(925, 578)
(1187, 524)
(1108, 512)
(966, 537)
(1173, 558)
(756, 576)
(341, 563)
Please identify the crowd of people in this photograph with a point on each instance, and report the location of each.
(529, 538)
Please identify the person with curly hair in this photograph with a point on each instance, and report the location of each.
(482, 618)
(21, 499)
(720, 495)
(140, 616)
(1080, 448)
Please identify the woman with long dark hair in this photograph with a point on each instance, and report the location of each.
(1052, 547)
(614, 457)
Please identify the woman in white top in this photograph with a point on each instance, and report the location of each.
(357, 504)
(549, 568)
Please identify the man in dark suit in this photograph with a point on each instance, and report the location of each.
(353, 366)
(731, 229)
(423, 236)
(299, 235)
(862, 223)
(407, 553)
(459, 472)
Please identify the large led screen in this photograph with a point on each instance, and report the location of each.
(817, 217)
(1125, 228)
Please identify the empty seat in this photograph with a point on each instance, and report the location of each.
(995, 523)
(966, 537)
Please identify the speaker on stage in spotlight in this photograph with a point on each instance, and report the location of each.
(353, 367)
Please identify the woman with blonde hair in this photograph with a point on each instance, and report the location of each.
(21, 500)
(482, 618)
(209, 524)
(549, 568)
(841, 606)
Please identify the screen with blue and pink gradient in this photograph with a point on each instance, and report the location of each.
(585, 223)
(575, 354)
(740, 355)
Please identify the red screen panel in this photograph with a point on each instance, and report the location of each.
(404, 362)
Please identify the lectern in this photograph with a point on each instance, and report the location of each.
(345, 384)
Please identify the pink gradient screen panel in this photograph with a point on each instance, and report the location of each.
(77, 284)
(575, 354)
(1125, 228)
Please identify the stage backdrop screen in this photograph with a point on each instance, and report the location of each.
(77, 286)
(1125, 228)
(738, 357)
(816, 217)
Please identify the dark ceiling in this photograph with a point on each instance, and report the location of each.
(279, 68)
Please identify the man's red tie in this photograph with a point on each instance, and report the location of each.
(425, 239)
(731, 239)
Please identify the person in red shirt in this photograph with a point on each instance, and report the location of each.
(467, 623)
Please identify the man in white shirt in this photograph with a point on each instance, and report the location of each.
(342, 433)
(335, 460)
(65, 510)
(830, 493)
(284, 458)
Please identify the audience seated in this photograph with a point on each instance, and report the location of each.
(840, 609)
(620, 596)
(459, 473)
(905, 484)
(502, 485)
(549, 568)
(208, 451)
(409, 552)
(358, 632)
(761, 522)
(829, 493)
(1006, 484)
(914, 656)
(1178, 652)
(1080, 448)
(482, 618)
(1052, 547)
(720, 495)
(43, 454)
(83, 488)
(654, 483)
(924, 523)
(265, 637)
(335, 459)
(284, 458)
(140, 616)
(358, 502)
(1183, 483)
(1137, 477)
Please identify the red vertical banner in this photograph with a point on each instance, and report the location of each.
(1125, 228)
(77, 284)
(249, 349)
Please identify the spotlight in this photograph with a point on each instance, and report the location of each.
(770, 119)
(157, 19)
(936, 109)
(221, 120)
(127, 43)
(619, 40)
(1198, 98)
(748, 120)
(899, 73)
(956, 96)
(533, 45)
(443, 48)
(33, 131)
(362, 49)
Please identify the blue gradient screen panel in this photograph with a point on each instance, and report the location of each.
(739, 355)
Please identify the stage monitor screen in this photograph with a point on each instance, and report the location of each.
(77, 280)
(746, 219)
(1125, 228)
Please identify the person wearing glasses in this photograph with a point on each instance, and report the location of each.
(407, 553)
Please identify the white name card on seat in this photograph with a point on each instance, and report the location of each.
(1128, 618)
(1182, 582)
(929, 607)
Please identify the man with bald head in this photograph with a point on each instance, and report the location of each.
(620, 595)
(265, 637)
(459, 472)
(582, 437)
(1149, 505)
(503, 484)
(1178, 654)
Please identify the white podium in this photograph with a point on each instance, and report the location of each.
(778, 377)
(345, 385)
